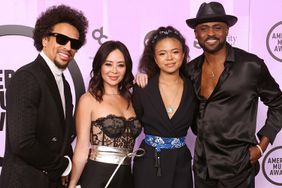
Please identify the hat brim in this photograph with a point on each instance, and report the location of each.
(228, 19)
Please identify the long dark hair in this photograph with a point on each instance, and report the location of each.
(96, 86)
(147, 62)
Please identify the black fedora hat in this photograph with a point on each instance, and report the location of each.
(211, 12)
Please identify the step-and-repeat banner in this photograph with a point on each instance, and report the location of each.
(258, 30)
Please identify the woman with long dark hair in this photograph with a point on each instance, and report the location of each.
(106, 123)
(166, 109)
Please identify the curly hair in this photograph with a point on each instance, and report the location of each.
(96, 83)
(59, 14)
(147, 62)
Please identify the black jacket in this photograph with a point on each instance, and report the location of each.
(175, 163)
(37, 133)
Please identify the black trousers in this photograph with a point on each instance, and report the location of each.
(244, 180)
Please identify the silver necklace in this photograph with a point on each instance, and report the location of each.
(169, 108)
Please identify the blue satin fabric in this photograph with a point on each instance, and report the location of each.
(164, 143)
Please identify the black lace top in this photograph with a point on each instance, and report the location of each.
(115, 131)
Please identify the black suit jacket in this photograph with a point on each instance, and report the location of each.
(37, 133)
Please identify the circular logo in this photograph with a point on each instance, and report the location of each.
(272, 166)
(274, 41)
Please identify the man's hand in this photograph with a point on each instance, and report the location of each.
(141, 79)
(254, 154)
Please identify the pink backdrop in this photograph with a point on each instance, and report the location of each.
(259, 30)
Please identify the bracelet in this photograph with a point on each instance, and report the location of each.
(261, 152)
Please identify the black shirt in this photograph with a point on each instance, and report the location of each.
(226, 123)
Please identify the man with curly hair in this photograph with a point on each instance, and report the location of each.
(40, 122)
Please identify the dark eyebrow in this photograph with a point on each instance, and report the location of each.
(168, 50)
(112, 61)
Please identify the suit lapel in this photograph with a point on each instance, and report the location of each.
(51, 83)
(178, 111)
(157, 101)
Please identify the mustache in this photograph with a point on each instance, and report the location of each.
(211, 38)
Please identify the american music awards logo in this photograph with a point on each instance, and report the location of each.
(6, 75)
(274, 41)
(272, 166)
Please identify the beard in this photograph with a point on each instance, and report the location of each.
(61, 66)
(214, 49)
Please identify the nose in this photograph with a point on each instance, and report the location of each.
(114, 68)
(210, 31)
(68, 45)
(169, 56)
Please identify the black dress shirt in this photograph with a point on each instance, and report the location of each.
(226, 123)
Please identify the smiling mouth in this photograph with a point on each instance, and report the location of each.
(113, 78)
(170, 64)
(64, 56)
(211, 42)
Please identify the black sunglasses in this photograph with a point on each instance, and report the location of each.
(63, 39)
